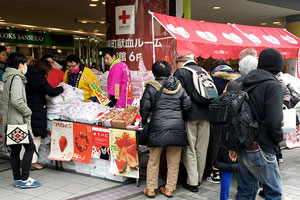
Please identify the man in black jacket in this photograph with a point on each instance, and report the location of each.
(259, 162)
(197, 125)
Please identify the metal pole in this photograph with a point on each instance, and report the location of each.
(153, 39)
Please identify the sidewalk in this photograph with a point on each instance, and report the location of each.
(58, 185)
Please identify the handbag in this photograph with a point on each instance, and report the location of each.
(144, 133)
(16, 134)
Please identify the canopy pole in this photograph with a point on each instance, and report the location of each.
(153, 44)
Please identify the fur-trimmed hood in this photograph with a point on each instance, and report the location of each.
(226, 76)
(172, 85)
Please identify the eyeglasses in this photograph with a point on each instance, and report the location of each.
(72, 66)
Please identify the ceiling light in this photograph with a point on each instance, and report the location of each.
(84, 22)
(216, 7)
(94, 0)
(92, 5)
(2, 20)
(59, 51)
(276, 22)
(263, 23)
(103, 3)
(55, 29)
(102, 22)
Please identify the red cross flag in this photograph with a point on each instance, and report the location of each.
(125, 22)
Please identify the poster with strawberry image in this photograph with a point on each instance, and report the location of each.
(293, 138)
(100, 142)
(61, 141)
(82, 139)
(123, 151)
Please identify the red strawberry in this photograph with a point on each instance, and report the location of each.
(121, 164)
(62, 143)
(132, 149)
(125, 138)
(120, 143)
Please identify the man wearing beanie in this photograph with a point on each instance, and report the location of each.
(258, 163)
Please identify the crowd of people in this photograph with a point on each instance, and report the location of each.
(177, 115)
(179, 122)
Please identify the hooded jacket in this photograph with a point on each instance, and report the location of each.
(15, 109)
(266, 104)
(37, 88)
(166, 127)
(199, 108)
(221, 78)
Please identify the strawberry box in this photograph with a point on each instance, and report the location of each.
(125, 118)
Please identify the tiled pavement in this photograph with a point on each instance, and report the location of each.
(58, 185)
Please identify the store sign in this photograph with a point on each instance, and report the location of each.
(27, 37)
(129, 32)
(125, 20)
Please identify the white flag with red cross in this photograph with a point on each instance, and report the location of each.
(125, 20)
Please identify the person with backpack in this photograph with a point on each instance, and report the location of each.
(197, 124)
(221, 73)
(258, 163)
(163, 101)
(223, 162)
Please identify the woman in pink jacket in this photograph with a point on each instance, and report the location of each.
(118, 80)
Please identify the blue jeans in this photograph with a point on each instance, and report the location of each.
(258, 166)
(225, 184)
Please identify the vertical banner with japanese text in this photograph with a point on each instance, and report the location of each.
(100, 142)
(61, 141)
(82, 139)
(124, 156)
(129, 31)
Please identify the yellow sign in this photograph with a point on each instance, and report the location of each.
(99, 94)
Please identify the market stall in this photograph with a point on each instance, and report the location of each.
(206, 39)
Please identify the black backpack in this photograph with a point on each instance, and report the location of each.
(232, 121)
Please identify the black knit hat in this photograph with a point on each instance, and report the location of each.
(270, 60)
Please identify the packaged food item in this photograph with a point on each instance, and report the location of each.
(106, 118)
(125, 118)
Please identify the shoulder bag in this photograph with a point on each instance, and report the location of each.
(15, 134)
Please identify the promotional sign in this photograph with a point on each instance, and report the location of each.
(129, 91)
(61, 141)
(100, 142)
(82, 138)
(99, 94)
(136, 101)
(125, 20)
(129, 31)
(124, 156)
(293, 138)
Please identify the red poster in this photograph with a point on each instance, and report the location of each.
(100, 142)
(82, 138)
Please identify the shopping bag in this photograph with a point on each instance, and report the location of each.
(17, 134)
(289, 120)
